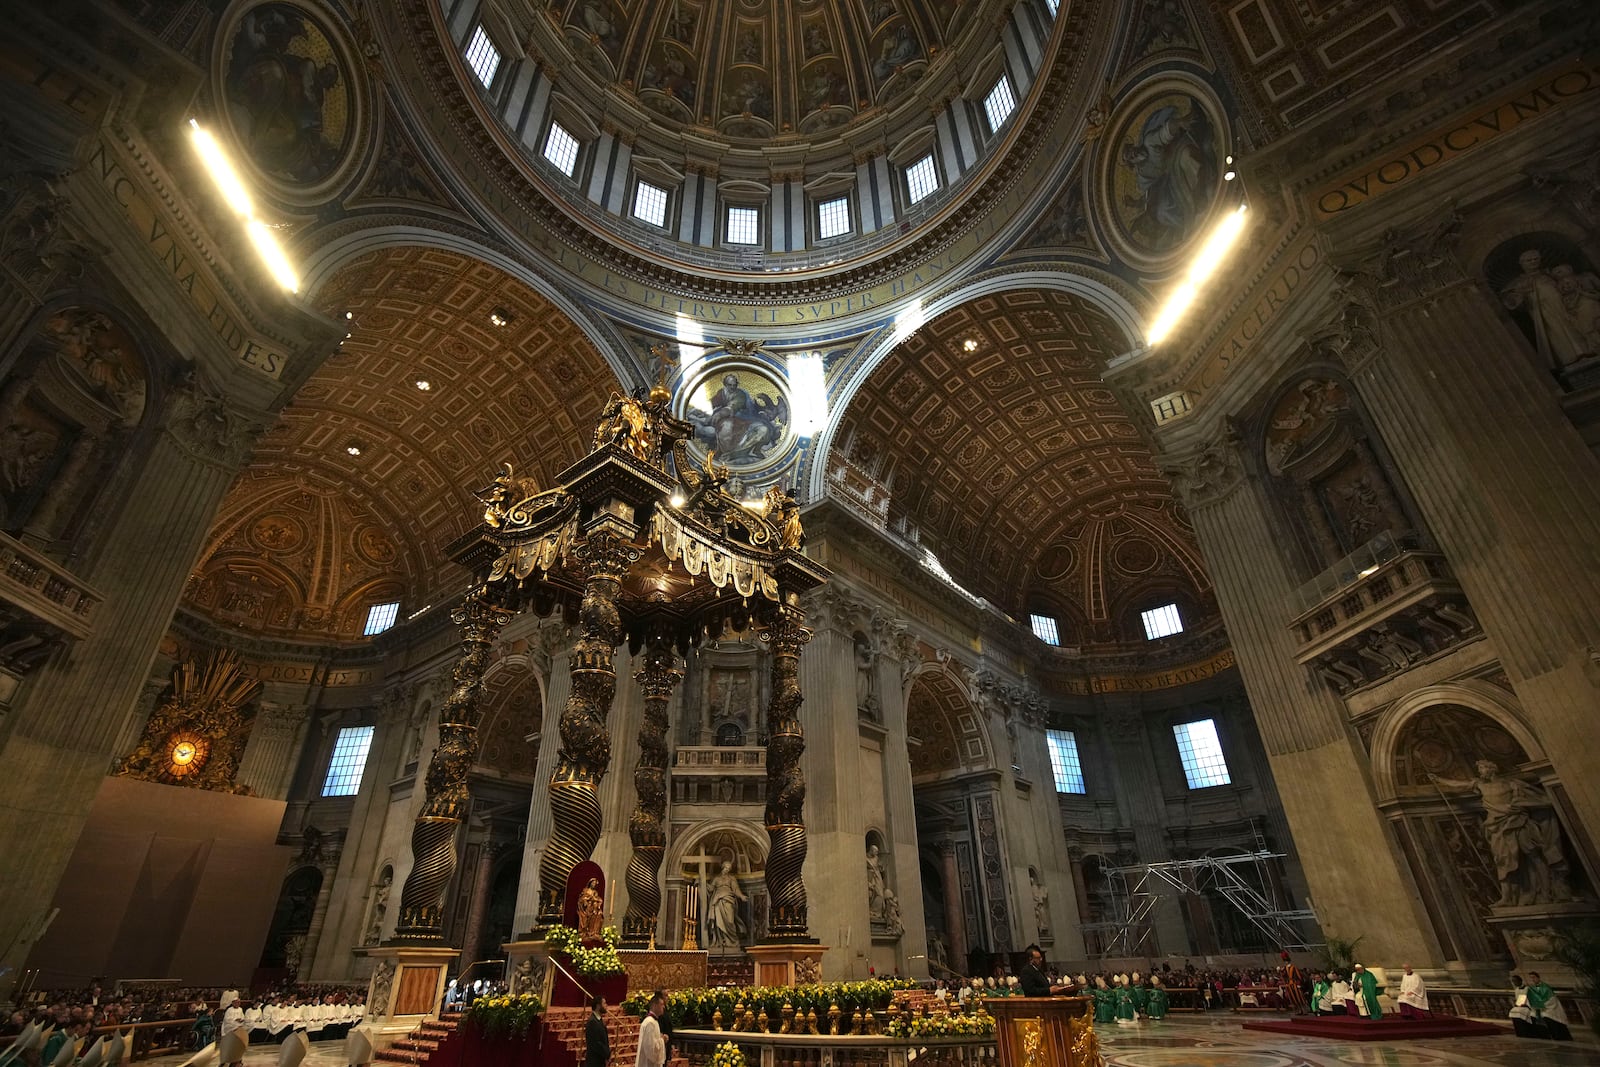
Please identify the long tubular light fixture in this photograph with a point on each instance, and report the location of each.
(1219, 242)
(272, 255)
(222, 172)
(238, 199)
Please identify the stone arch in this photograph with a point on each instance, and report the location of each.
(1117, 307)
(952, 733)
(513, 710)
(1484, 698)
(324, 262)
(690, 843)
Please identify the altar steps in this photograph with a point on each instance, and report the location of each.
(419, 1046)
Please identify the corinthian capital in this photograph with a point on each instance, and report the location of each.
(1209, 473)
(1407, 264)
(205, 425)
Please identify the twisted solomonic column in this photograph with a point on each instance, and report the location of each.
(647, 827)
(433, 838)
(585, 741)
(785, 633)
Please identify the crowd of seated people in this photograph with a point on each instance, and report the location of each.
(324, 1011)
(1188, 988)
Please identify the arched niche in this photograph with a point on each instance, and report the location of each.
(1424, 752)
(513, 703)
(72, 400)
(1547, 284)
(291, 919)
(696, 857)
(1334, 487)
(947, 731)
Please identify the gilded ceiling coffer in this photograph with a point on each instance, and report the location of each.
(638, 541)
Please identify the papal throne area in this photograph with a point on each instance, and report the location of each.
(990, 532)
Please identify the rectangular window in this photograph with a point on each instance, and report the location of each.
(1064, 761)
(743, 226)
(1000, 103)
(1045, 629)
(1201, 753)
(921, 178)
(482, 56)
(380, 617)
(650, 204)
(349, 760)
(1053, 5)
(1162, 621)
(561, 148)
(833, 217)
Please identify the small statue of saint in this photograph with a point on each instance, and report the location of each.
(590, 911)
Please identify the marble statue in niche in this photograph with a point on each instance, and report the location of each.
(1519, 824)
(380, 906)
(867, 703)
(724, 928)
(1041, 904)
(1555, 299)
(883, 907)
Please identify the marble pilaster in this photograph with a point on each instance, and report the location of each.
(1504, 481)
(1358, 880)
(72, 710)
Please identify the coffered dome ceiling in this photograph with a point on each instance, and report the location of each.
(526, 392)
(1000, 445)
(755, 68)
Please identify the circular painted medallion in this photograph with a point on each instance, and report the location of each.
(287, 91)
(1163, 171)
(741, 414)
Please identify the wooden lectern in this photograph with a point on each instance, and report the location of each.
(1045, 1031)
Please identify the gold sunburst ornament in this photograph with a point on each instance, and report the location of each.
(196, 736)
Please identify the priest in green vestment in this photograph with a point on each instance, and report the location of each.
(1156, 1000)
(1105, 1002)
(1126, 1016)
(1365, 989)
(1321, 989)
(1547, 1009)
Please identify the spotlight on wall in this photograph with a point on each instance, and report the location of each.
(1229, 174)
(500, 317)
(970, 344)
(353, 448)
(424, 384)
(272, 255)
(1218, 243)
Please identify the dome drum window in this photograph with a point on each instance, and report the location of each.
(650, 203)
(482, 56)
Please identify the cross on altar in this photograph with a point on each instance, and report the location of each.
(692, 923)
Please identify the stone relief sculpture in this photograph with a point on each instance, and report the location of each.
(380, 906)
(1519, 823)
(591, 909)
(723, 928)
(382, 979)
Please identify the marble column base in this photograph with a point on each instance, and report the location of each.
(1532, 932)
(406, 987)
(787, 965)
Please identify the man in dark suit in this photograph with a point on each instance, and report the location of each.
(596, 1038)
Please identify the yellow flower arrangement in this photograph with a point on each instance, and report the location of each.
(505, 1015)
(728, 1055)
(591, 962)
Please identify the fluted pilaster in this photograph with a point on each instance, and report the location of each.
(1323, 779)
(1504, 481)
(72, 710)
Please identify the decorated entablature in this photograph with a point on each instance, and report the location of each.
(639, 542)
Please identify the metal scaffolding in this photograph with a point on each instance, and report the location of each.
(1135, 888)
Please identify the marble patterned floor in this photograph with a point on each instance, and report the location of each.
(1216, 1042)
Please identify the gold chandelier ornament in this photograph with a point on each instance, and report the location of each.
(639, 543)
